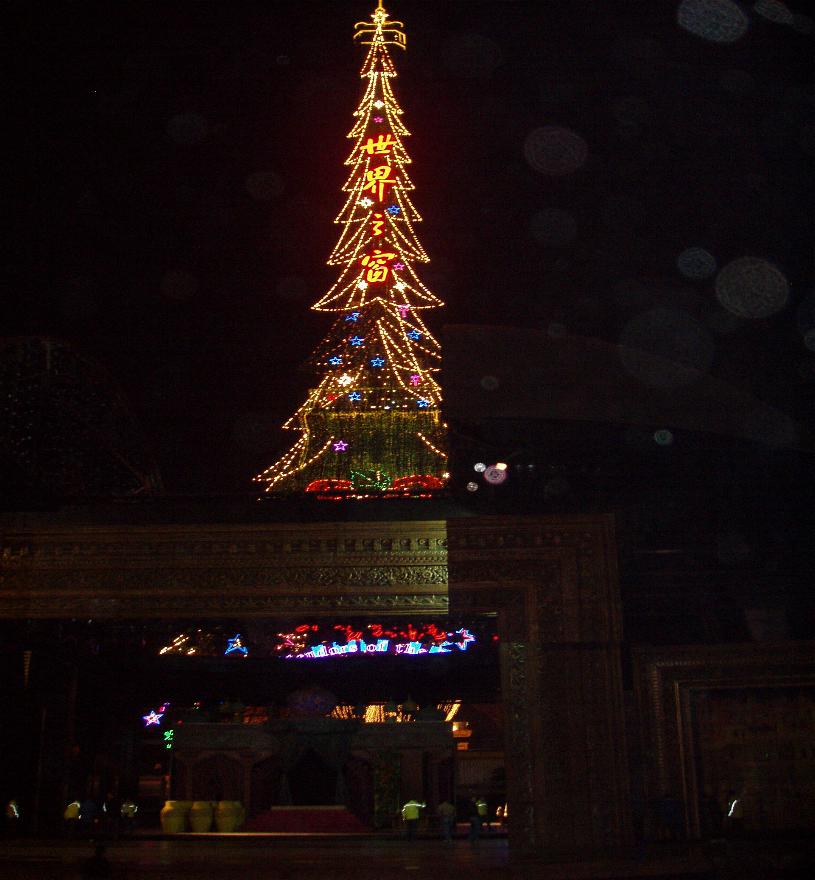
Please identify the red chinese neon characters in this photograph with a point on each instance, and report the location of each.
(377, 179)
(381, 146)
(377, 263)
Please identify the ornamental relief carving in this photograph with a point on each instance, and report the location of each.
(198, 606)
(147, 544)
(275, 578)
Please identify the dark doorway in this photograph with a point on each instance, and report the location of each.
(312, 781)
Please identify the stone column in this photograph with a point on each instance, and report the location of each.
(552, 583)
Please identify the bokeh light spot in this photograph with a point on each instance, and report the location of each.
(696, 263)
(773, 10)
(472, 486)
(663, 437)
(752, 288)
(554, 150)
(489, 383)
(553, 226)
(720, 21)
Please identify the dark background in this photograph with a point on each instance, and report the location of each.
(178, 166)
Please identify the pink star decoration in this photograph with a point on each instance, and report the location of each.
(340, 446)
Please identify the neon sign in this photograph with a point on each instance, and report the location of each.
(459, 640)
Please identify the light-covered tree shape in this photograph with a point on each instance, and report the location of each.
(372, 425)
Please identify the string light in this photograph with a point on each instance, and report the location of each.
(394, 428)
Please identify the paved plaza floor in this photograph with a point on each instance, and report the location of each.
(277, 857)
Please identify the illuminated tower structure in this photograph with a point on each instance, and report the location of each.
(372, 426)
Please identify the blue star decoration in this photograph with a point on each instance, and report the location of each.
(377, 362)
(355, 395)
(336, 360)
(422, 403)
(357, 340)
(152, 717)
(393, 210)
(414, 334)
(354, 316)
(236, 647)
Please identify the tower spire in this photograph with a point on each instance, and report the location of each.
(383, 31)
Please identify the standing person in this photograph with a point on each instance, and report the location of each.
(71, 817)
(447, 819)
(483, 811)
(410, 813)
(88, 816)
(475, 821)
(128, 812)
(12, 818)
(734, 818)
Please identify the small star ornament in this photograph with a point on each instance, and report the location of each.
(345, 379)
(355, 395)
(414, 334)
(393, 210)
(335, 361)
(357, 340)
(423, 403)
(235, 646)
(340, 446)
(152, 717)
(398, 266)
(379, 119)
(354, 316)
(378, 362)
(365, 203)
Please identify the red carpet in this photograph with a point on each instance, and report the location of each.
(307, 820)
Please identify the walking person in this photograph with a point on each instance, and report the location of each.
(410, 813)
(447, 819)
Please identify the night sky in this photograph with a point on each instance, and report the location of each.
(178, 167)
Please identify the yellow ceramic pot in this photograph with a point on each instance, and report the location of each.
(174, 816)
(201, 816)
(229, 816)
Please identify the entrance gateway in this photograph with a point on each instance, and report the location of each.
(550, 582)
